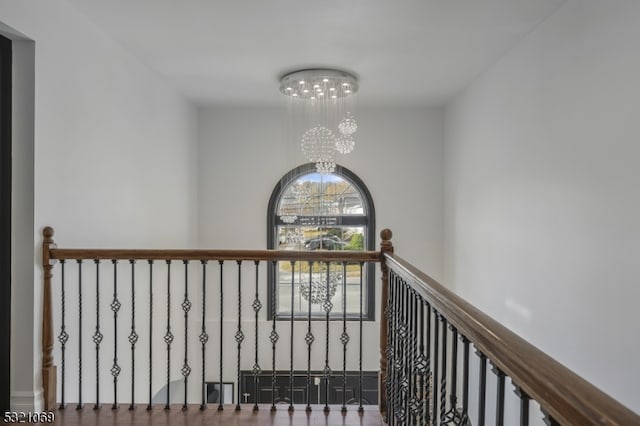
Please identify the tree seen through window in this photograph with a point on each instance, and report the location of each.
(313, 211)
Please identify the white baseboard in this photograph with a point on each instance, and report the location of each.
(27, 401)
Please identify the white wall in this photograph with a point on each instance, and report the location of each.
(243, 153)
(541, 192)
(114, 155)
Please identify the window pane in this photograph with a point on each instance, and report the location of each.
(313, 211)
(320, 238)
(316, 293)
(315, 194)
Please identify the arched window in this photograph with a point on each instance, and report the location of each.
(312, 211)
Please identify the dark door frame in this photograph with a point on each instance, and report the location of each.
(5, 222)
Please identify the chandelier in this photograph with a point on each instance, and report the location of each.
(321, 288)
(321, 105)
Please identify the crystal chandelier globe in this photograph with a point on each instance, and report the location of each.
(321, 104)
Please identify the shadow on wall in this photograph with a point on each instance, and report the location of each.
(177, 392)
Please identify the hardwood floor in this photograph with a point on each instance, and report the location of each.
(211, 416)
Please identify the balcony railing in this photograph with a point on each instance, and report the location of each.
(158, 317)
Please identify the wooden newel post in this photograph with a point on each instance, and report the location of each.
(385, 247)
(48, 369)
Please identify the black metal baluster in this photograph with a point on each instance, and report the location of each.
(115, 307)
(133, 336)
(360, 319)
(239, 336)
(412, 399)
(499, 395)
(408, 363)
(293, 274)
(327, 370)
(150, 405)
(421, 361)
(97, 336)
(482, 388)
(256, 367)
(168, 336)
(453, 416)
(524, 405)
(416, 354)
(186, 307)
(273, 337)
(443, 374)
(63, 337)
(465, 381)
(390, 382)
(344, 337)
(406, 381)
(422, 364)
(453, 397)
(548, 420)
(309, 338)
(221, 393)
(400, 350)
(390, 352)
(79, 406)
(204, 337)
(434, 380)
(404, 374)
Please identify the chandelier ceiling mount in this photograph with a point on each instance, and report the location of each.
(321, 105)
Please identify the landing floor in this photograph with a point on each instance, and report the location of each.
(158, 416)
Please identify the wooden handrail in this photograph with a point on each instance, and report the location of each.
(208, 254)
(567, 397)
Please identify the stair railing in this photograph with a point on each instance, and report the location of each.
(427, 377)
(108, 275)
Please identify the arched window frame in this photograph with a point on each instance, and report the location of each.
(367, 220)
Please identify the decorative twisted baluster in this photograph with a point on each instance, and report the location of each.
(391, 353)
(434, 388)
(414, 402)
(204, 337)
(454, 415)
(429, 413)
(326, 372)
(395, 367)
(420, 361)
(133, 335)
(443, 375)
(401, 365)
(309, 338)
(63, 337)
(239, 336)
(344, 337)
(273, 337)
(168, 337)
(186, 307)
(256, 370)
(97, 336)
(115, 307)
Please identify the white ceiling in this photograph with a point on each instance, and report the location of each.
(221, 52)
